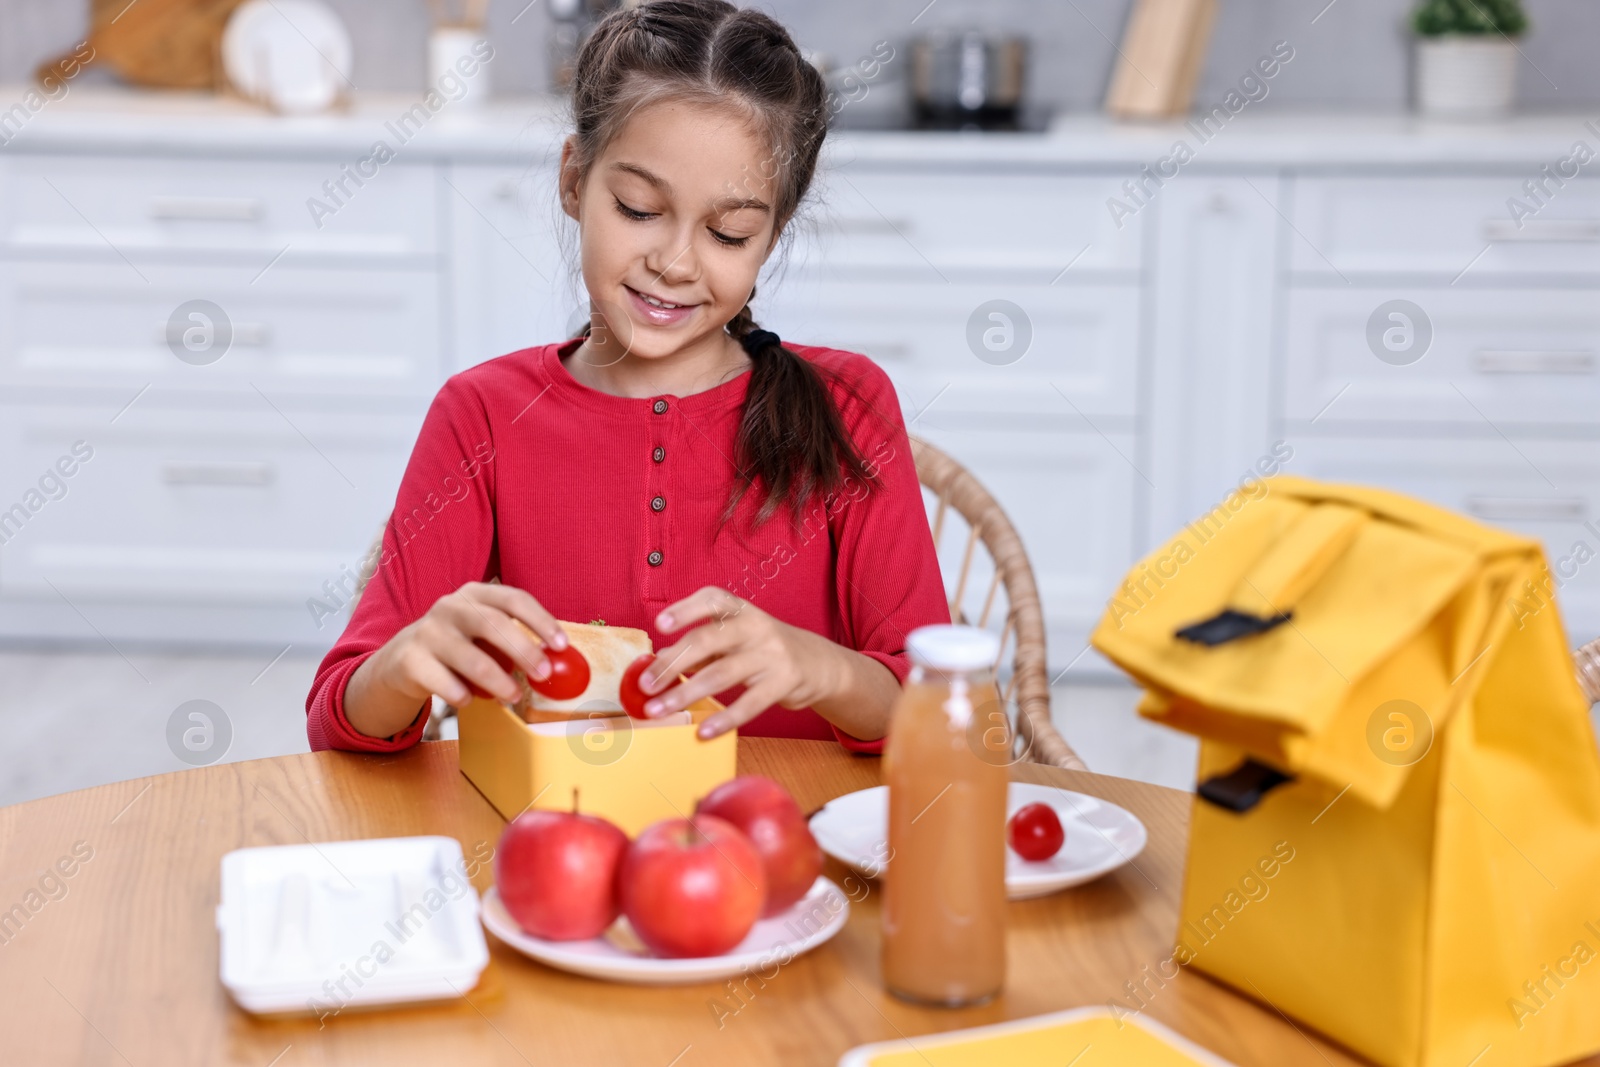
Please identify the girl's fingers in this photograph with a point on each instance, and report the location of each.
(473, 664)
(488, 622)
(721, 674)
(707, 602)
(689, 653)
(751, 702)
(520, 604)
(427, 672)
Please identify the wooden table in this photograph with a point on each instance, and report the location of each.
(121, 967)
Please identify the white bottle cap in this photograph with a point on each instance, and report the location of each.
(953, 648)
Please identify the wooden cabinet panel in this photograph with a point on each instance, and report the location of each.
(150, 206)
(511, 286)
(1444, 224)
(1211, 339)
(928, 223)
(1544, 489)
(1069, 494)
(190, 508)
(1082, 346)
(1506, 356)
(293, 332)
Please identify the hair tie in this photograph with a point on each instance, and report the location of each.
(756, 340)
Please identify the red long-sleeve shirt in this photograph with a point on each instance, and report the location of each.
(608, 507)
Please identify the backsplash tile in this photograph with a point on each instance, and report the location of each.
(1354, 54)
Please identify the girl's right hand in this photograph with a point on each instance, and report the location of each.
(437, 655)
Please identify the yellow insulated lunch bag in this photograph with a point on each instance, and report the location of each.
(1395, 837)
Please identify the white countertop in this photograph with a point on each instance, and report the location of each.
(527, 129)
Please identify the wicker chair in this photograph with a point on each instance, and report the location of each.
(1587, 660)
(1027, 685)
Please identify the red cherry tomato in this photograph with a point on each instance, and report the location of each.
(628, 690)
(569, 674)
(1035, 832)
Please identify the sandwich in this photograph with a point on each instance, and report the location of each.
(609, 650)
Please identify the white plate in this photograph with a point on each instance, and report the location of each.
(292, 55)
(617, 956)
(1100, 836)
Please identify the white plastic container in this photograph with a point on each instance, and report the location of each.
(324, 927)
(456, 65)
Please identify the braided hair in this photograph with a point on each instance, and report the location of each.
(792, 437)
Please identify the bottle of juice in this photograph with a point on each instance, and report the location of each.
(944, 887)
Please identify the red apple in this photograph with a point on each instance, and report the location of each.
(557, 873)
(773, 822)
(691, 887)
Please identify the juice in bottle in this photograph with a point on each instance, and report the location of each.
(944, 889)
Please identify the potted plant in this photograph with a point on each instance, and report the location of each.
(1467, 56)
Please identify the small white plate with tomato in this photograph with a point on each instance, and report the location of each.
(619, 956)
(1073, 837)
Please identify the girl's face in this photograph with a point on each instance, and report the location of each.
(676, 220)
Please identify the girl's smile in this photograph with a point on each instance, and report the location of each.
(657, 310)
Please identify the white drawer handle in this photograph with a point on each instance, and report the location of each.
(253, 334)
(868, 224)
(1542, 230)
(250, 334)
(207, 208)
(213, 473)
(1512, 361)
(1528, 509)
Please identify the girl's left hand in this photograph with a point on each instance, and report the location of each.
(732, 642)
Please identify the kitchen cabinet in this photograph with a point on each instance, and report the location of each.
(192, 522)
(298, 334)
(246, 372)
(1177, 328)
(511, 285)
(1549, 489)
(935, 225)
(1070, 494)
(1081, 354)
(1512, 355)
(1214, 292)
(1441, 224)
(246, 210)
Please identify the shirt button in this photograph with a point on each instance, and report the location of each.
(654, 559)
(658, 504)
(659, 407)
(659, 454)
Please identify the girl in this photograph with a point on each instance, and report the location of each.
(752, 505)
